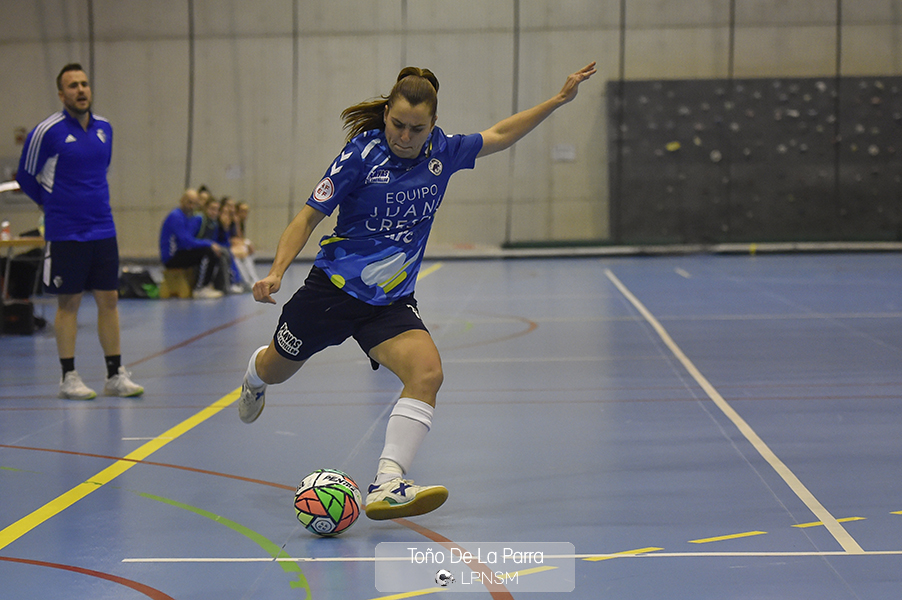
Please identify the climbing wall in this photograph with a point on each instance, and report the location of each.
(705, 161)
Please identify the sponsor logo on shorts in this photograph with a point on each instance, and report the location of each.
(287, 341)
(324, 191)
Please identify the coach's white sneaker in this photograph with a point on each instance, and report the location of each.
(73, 388)
(401, 498)
(121, 385)
(251, 401)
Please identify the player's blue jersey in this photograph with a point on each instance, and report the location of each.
(386, 206)
(64, 169)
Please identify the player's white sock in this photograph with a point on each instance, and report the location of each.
(252, 378)
(388, 470)
(408, 424)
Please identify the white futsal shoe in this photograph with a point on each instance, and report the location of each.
(73, 388)
(401, 498)
(251, 402)
(122, 385)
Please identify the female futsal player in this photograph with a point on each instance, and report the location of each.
(387, 183)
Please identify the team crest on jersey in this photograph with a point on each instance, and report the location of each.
(378, 176)
(101, 135)
(324, 190)
(435, 165)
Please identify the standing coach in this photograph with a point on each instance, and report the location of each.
(63, 168)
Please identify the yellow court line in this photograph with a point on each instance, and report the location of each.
(624, 553)
(412, 594)
(818, 523)
(56, 506)
(732, 536)
(838, 532)
(432, 269)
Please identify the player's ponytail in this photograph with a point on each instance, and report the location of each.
(414, 84)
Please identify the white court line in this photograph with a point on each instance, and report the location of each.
(832, 525)
(350, 559)
(545, 359)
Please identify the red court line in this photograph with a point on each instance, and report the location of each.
(140, 587)
(530, 327)
(198, 337)
(153, 463)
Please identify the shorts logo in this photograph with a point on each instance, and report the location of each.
(287, 341)
(324, 190)
(415, 311)
(435, 165)
(378, 176)
(57, 281)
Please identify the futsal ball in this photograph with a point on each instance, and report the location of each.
(327, 502)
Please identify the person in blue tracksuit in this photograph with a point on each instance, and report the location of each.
(387, 184)
(181, 247)
(63, 168)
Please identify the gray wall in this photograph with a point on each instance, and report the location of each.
(267, 93)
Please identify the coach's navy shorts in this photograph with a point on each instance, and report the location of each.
(73, 267)
(320, 315)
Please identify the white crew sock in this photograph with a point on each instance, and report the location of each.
(408, 424)
(252, 378)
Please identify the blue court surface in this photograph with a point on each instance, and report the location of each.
(688, 426)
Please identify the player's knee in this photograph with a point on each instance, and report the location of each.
(107, 302)
(429, 377)
(68, 303)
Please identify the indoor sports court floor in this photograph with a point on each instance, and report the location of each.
(696, 426)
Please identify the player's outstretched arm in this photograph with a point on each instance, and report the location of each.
(505, 133)
(293, 240)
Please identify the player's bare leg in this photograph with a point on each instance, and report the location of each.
(66, 323)
(108, 320)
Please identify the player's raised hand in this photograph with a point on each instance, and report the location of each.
(571, 86)
(265, 288)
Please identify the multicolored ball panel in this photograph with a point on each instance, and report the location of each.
(327, 502)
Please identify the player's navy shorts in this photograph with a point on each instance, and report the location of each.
(320, 315)
(73, 267)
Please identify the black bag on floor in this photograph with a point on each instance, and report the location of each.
(137, 283)
(18, 318)
(23, 274)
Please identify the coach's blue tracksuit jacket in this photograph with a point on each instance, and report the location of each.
(64, 169)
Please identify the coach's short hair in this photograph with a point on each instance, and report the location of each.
(66, 69)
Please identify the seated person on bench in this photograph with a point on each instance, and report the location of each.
(181, 249)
